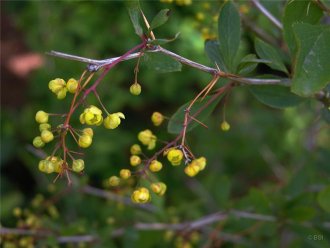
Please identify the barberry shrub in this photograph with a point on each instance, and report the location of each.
(278, 56)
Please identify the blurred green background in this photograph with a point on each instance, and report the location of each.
(271, 162)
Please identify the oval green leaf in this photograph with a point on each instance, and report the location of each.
(275, 96)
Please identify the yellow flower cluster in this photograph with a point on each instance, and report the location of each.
(46, 134)
(148, 139)
(195, 166)
(78, 165)
(59, 87)
(51, 164)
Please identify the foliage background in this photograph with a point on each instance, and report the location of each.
(271, 162)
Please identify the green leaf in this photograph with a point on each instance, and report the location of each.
(229, 31)
(266, 51)
(312, 67)
(323, 198)
(135, 14)
(249, 63)
(163, 41)
(213, 52)
(300, 213)
(160, 18)
(275, 96)
(298, 11)
(161, 63)
(176, 121)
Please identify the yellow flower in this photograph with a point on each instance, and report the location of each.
(88, 131)
(192, 170)
(147, 138)
(46, 166)
(225, 126)
(72, 85)
(175, 156)
(85, 141)
(135, 89)
(91, 116)
(44, 126)
(47, 136)
(78, 165)
(157, 118)
(113, 120)
(125, 173)
(158, 188)
(37, 142)
(135, 149)
(141, 195)
(200, 162)
(58, 87)
(57, 162)
(114, 181)
(155, 166)
(195, 166)
(41, 117)
(135, 160)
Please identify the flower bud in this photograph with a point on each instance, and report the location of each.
(125, 173)
(135, 89)
(46, 166)
(114, 181)
(155, 166)
(72, 85)
(37, 142)
(135, 149)
(78, 165)
(113, 120)
(225, 126)
(157, 118)
(47, 136)
(41, 117)
(85, 141)
(88, 131)
(61, 94)
(44, 126)
(135, 160)
(158, 188)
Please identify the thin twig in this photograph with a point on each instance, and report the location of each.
(266, 13)
(183, 60)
